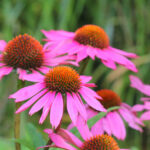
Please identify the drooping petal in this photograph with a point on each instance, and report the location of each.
(85, 79)
(80, 106)
(56, 110)
(39, 104)
(121, 52)
(145, 115)
(33, 77)
(69, 137)
(83, 128)
(2, 45)
(72, 110)
(30, 102)
(138, 107)
(47, 107)
(81, 55)
(138, 84)
(5, 71)
(60, 142)
(93, 102)
(97, 128)
(27, 92)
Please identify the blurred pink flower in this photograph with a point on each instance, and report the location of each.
(26, 54)
(89, 40)
(66, 140)
(48, 93)
(145, 89)
(113, 123)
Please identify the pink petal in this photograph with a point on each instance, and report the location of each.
(106, 125)
(121, 60)
(97, 128)
(27, 92)
(33, 77)
(121, 52)
(138, 107)
(145, 99)
(2, 45)
(91, 112)
(30, 102)
(85, 79)
(138, 84)
(109, 64)
(93, 102)
(56, 110)
(60, 142)
(83, 128)
(57, 35)
(73, 113)
(91, 53)
(81, 55)
(47, 107)
(121, 125)
(91, 92)
(69, 137)
(40, 103)
(5, 71)
(80, 106)
(145, 115)
(114, 126)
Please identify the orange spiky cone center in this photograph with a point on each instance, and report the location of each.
(92, 35)
(110, 98)
(23, 52)
(100, 142)
(63, 79)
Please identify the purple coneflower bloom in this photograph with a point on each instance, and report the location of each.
(112, 123)
(68, 141)
(51, 89)
(88, 41)
(26, 54)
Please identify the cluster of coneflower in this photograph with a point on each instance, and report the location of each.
(57, 84)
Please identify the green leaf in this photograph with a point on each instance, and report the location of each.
(94, 119)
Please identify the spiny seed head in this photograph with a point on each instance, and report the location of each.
(110, 98)
(100, 142)
(63, 79)
(92, 35)
(23, 52)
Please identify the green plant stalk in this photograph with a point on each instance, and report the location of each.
(17, 118)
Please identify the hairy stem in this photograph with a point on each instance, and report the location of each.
(17, 118)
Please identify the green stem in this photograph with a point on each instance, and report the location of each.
(83, 65)
(17, 118)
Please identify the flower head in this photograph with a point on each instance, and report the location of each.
(66, 140)
(26, 54)
(112, 122)
(50, 91)
(89, 41)
(145, 89)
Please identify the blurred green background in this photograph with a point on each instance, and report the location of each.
(127, 23)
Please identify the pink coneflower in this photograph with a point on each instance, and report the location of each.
(145, 89)
(48, 93)
(26, 54)
(113, 123)
(68, 141)
(89, 41)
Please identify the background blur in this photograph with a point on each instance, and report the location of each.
(127, 23)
